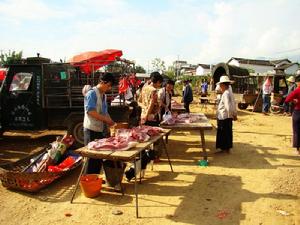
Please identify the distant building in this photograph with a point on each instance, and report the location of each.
(188, 69)
(203, 69)
(264, 66)
(184, 68)
(177, 66)
(179, 63)
(258, 66)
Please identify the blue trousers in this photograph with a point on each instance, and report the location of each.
(266, 103)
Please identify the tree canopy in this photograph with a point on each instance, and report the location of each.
(158, 65)
(10, 57)
(139, 69)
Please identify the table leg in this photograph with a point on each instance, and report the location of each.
(166, 150)
(140, 167)
(203, 144)
(135, 190)
(85, 161)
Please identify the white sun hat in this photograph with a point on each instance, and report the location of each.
(291, 79)
(225, 79)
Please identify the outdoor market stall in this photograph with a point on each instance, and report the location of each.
(130, 155)
(191, 121)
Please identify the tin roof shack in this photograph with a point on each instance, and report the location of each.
(37, 95)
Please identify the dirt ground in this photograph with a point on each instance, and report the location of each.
(258, 183)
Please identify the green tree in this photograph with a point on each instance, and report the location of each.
(171, 74)
(158, 65)
(139, 69)
(10, 58)
(119, 67)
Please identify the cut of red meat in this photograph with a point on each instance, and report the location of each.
(123, 137)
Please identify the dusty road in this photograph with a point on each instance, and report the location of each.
(258, 183)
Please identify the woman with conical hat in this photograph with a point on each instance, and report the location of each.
(226, 113)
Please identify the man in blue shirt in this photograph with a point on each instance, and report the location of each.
(96, 115)
(204, 87)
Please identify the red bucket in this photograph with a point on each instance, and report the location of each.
(91, 185)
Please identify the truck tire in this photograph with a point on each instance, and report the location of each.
(75, 128)
(242, 106)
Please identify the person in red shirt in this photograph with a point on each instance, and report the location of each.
(294, 97)
(134, 83)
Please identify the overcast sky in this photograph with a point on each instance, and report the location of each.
(198, 31)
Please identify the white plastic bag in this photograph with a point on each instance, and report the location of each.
(167, 116)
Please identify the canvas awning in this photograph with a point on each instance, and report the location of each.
(93, 60)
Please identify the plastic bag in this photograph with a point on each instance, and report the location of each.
(56, 151)
(167, 116)
(41, 164)
(64, 165)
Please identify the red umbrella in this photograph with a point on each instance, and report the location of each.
(89, 61)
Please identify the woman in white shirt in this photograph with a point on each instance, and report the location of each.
(165, 97)
(226, 113)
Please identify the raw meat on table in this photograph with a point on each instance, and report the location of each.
(125, 138)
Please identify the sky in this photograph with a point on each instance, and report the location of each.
(197, 31)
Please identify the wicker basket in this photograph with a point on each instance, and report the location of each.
(13, 177)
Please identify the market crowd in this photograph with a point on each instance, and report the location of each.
(155, 102)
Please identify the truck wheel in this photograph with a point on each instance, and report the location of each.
(242, 105)
(75, 128)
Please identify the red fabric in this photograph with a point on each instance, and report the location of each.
(134, 81)
(294, 95)
(66, 164)
(2, 74)
(123, 85)
(91, 61)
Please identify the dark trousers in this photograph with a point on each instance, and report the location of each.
(187, 106)
(152, 123)
(224, 134)
(288, 107)
(296, 128)
(94, 165)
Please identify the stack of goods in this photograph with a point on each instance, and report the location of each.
(32, 174)
(52, 160)
(185, 118)
(125, 139)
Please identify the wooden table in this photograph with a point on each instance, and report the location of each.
(201, 126)
(178, 109)
(125, 156)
